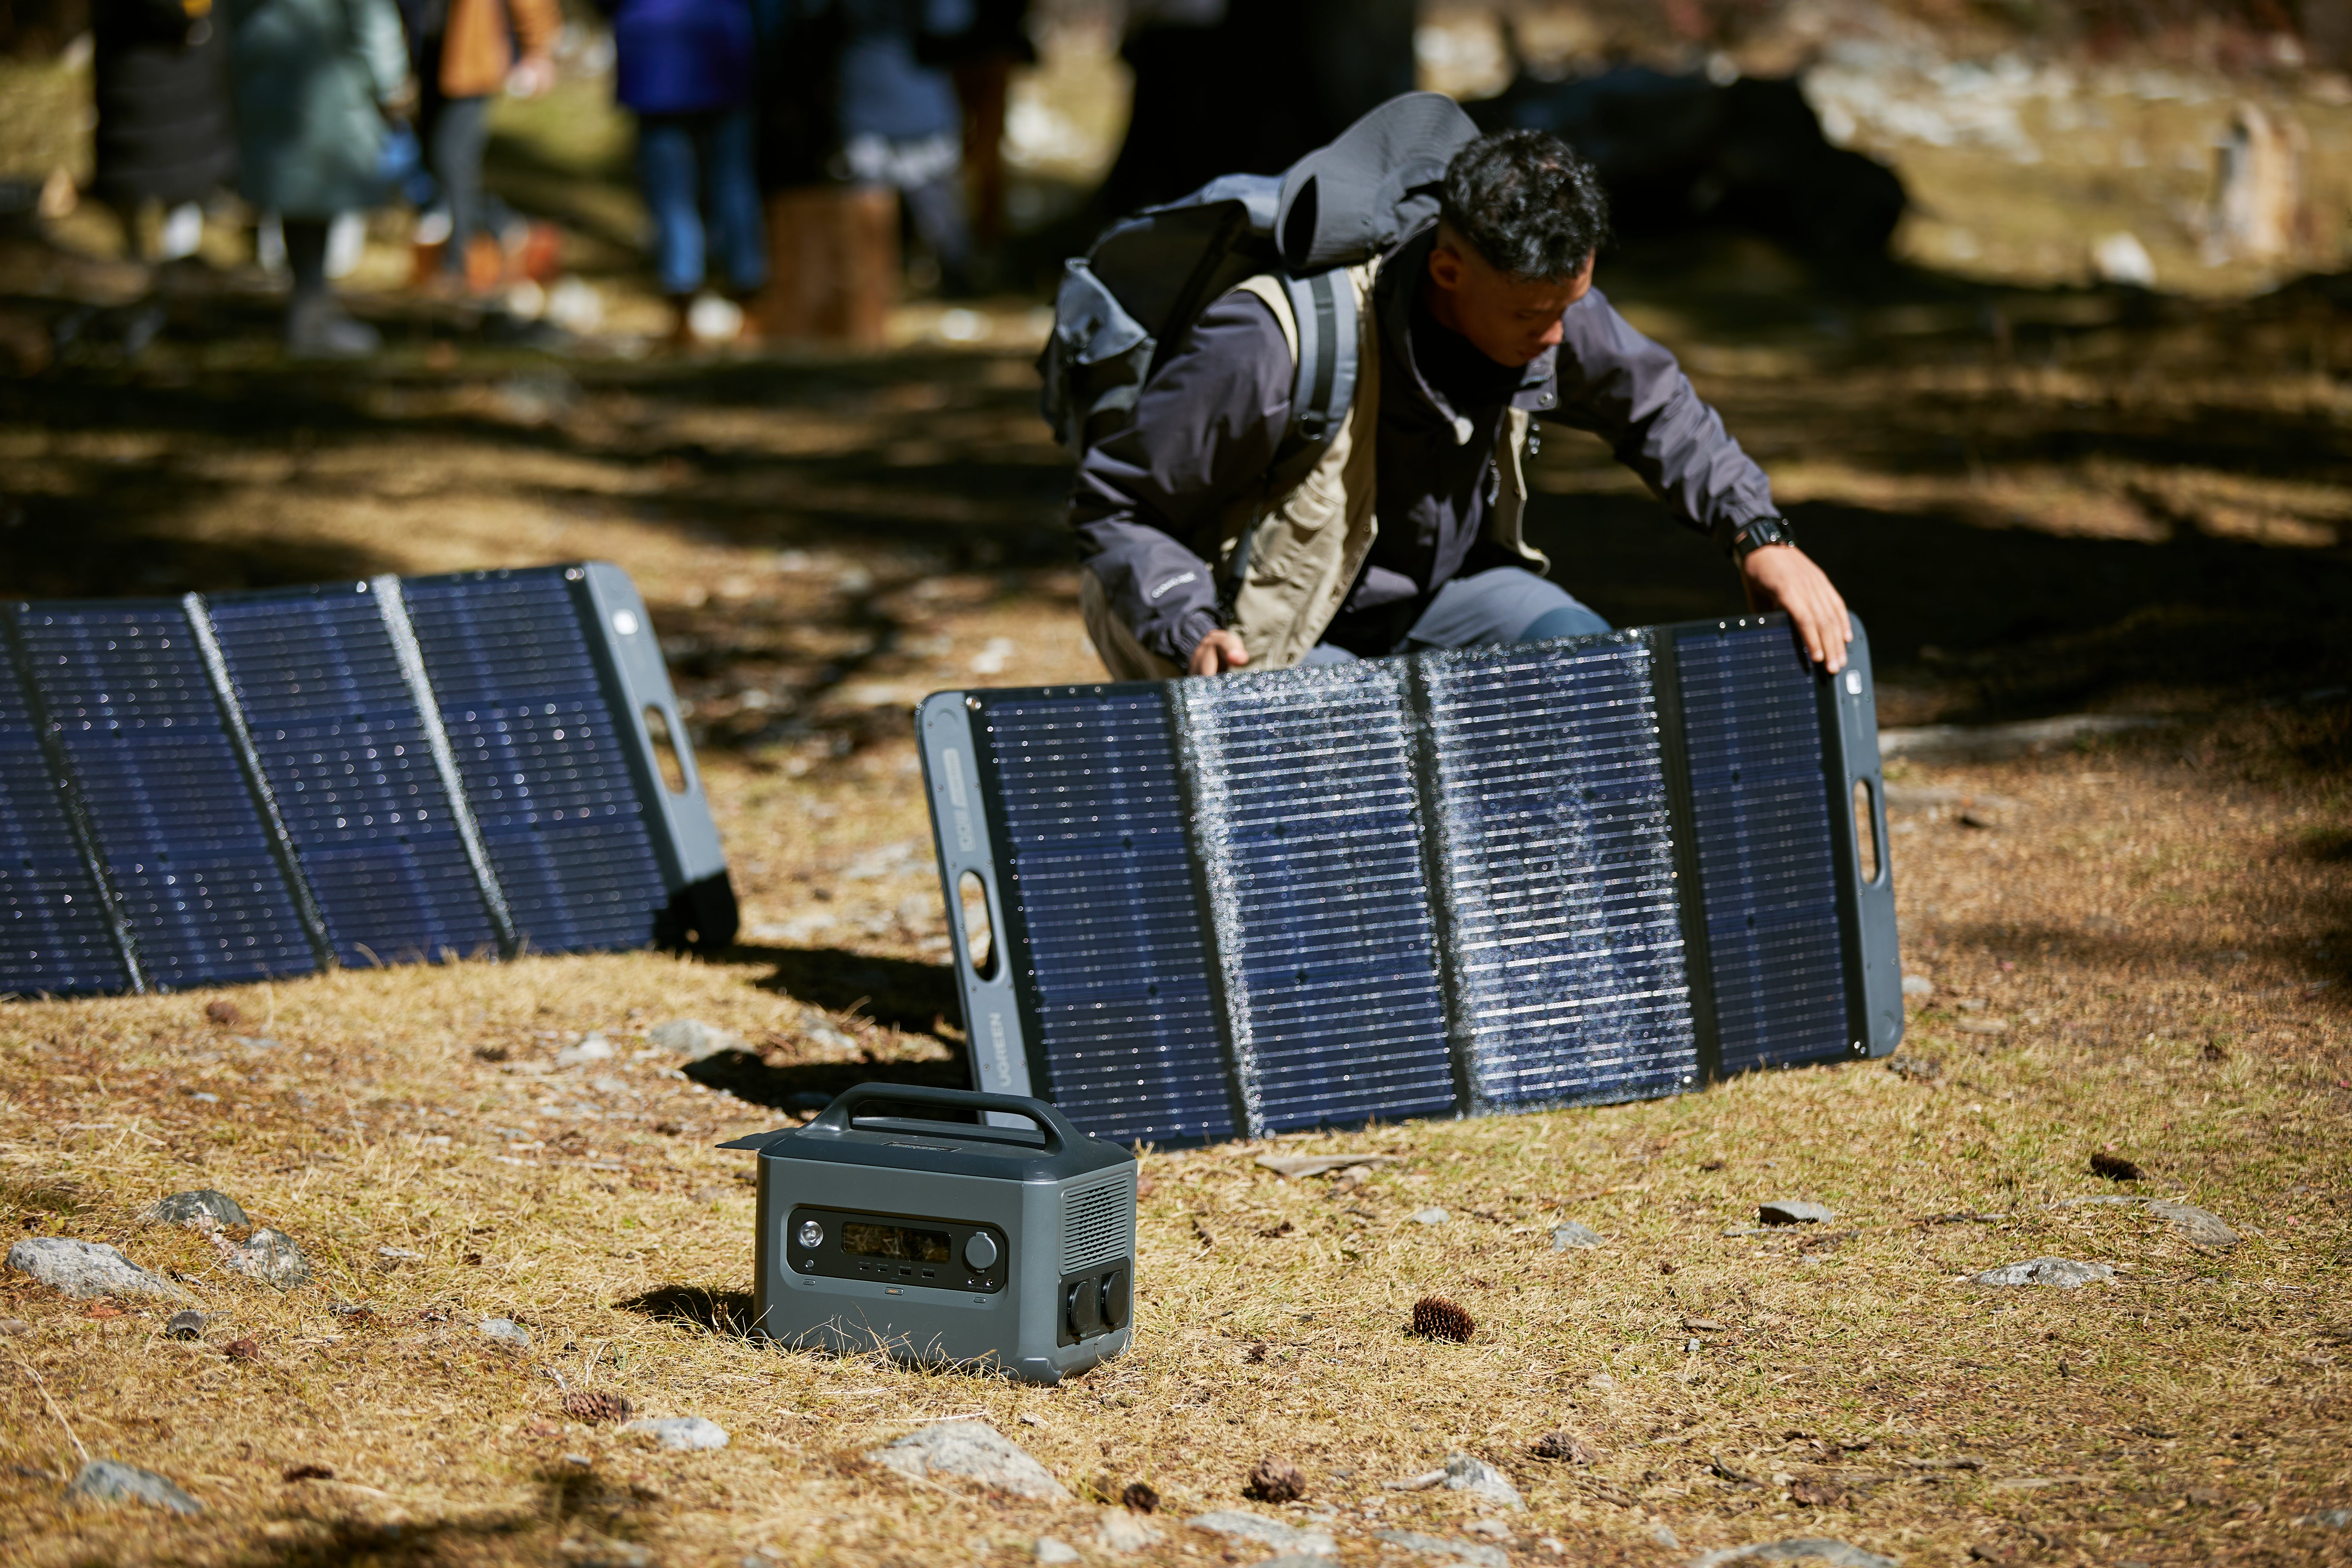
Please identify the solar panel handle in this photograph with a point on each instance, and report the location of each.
(1057, 1127)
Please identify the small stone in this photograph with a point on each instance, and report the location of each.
(2060, 1271)
(1476, 1553)
(1289, 1165)
(1121, 1533)
(693, 1038)
(246, 1349)
(1918, 985)
(2333, 1518)
(1468, 1473)
(222, 1013)
(682, 1432)
(87, 1268)
(350, 1309)
(1918, 1069)
(203, 1208)
(1492, 1528)
(1568, 1233)
(1051, 1551)
(599, 1552)
(1665, 1537)
(506, 1331)
(272, 1258)
(974, 1450)
(1837, 1554)
(185, 1325)
(257, 1042)
(1981, 1025)
(1273, 1480)
(1791, 1210)
(593, 1048)
(393, 1257)
(1429, 1217)
(12, 1327)
(2198, 1225)
(1240, 1524)
(108, 1481)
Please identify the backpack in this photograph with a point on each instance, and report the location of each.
(1124, 306)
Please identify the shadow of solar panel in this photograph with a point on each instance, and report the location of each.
(1558, 867)
(1310, 824)
(1103, 914)
(177, 829)
(543, 758)
(54, 933)
(1762, 822)
(344, 749)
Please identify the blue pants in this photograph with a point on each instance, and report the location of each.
(697, 165)
(1506, 604)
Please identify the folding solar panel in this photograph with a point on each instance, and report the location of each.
(236, 786)
(1497, 878)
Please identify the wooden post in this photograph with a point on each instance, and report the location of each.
(833, 272)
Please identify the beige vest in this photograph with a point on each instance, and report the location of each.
(1311, 543)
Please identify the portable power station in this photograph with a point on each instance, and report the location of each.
(971, 1244)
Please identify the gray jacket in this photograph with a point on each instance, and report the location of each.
(1148, 501)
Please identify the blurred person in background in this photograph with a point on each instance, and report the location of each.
(163, 133)
(464, 51)
(684, 67)
(314, 82)
(983, 58)
(901, 124)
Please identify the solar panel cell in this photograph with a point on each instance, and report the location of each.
(54, 933)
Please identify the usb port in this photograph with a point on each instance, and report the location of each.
(929, 1274)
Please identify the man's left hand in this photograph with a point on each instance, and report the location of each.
(1782, 577)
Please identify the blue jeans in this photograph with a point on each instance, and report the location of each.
(697, 165)
(1505, 603)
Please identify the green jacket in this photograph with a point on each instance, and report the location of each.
(308, 77)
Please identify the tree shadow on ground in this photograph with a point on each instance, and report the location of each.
(812, 1086)
(895, 993)
(339, 1542)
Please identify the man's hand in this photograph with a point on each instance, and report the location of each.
(1782, 577)
(1220, 651)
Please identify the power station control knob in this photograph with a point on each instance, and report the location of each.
(980, 1252)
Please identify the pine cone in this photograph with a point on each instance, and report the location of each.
(1272, 1480)
(595, 1406)
(1435, 1318)
(1140, 1497)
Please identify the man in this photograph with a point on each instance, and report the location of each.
(1406, 533)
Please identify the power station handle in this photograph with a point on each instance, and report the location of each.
(1057, 1127)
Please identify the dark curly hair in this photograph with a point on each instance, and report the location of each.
(1531, 204)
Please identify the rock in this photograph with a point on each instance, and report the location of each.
(1665, 1537)
(185, 1325)
(203, 1208)
(506, 1331)
(1918, 1069)
(1492, 1528)
(693, 1038)
(1051, 1551)
(974, 1450)
(109, 1482)
(393, 1257)
(1429, 1217)
(1835, 1552)
(1289, 1165)
(1240, 1524)
(272, 1258)
(1567, 1233)
(1791, 1210)
(1122, 1533)
(600, 1552)
(1982, 1026)
(684, 1433)
(2060, 1271)
(222, 1013)
(1918, 985)
(593, 1048)
(86, 1269)
(2120, 257)
(1437, 1546)
(2333, 1518)
(2200, 1225)
(1468, 1473)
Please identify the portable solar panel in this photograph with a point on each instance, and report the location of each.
(234, 786)
(1497, 878)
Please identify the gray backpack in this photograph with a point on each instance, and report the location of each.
(1124, 306)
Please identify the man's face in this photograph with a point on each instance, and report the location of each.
(1510, 320)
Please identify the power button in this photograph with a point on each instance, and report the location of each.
(980, 1252)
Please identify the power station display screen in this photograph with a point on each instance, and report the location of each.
(899, 1241)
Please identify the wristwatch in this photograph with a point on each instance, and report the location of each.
(1763, 531)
